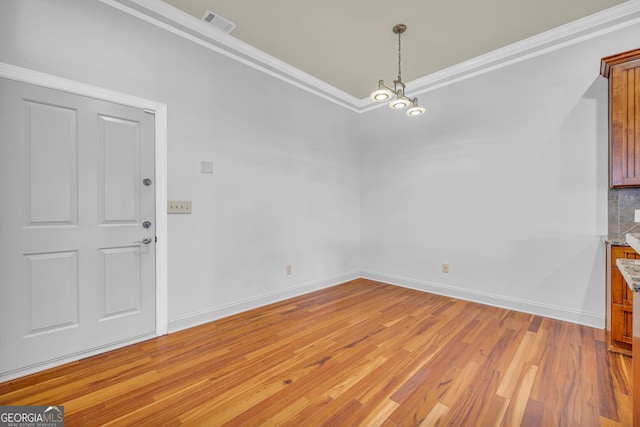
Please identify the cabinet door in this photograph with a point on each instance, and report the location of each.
(624, 110)
(620, 292)
(622, 323)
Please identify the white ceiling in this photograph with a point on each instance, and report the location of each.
(349, 44)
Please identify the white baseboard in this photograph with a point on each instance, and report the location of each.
(205, 316)
(594, 320)
(52, 363)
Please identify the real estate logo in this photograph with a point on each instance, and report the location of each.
(31, 416)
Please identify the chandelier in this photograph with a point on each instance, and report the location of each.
(385, 93)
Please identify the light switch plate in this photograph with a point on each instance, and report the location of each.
(206, 167)
(179, 206)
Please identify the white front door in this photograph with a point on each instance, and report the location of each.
(77, 226)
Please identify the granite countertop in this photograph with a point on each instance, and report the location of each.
(616, 239)
(630, 268)
(633, 239)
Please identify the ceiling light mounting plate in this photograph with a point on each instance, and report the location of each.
(399, 28)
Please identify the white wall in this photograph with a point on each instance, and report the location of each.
(504, 179)
(285, 187)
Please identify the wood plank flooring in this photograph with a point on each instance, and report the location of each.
(361, 353)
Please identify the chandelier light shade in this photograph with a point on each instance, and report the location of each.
(384, 93)
(415, 110)
(400, 102)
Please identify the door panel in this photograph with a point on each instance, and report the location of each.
(53, 282)
(73, 277)
(120, 284)
(51, 138)
(119, 170)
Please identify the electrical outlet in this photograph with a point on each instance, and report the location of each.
(179, 207)
(445, 268)
(288, 270)
(637, 216)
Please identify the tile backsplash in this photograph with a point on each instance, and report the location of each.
(623, 203)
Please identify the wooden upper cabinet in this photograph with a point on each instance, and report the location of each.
(623, 72)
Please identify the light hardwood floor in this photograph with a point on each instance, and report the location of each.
(360, 353)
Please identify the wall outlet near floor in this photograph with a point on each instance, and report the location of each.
(179, 207)
(637, 216)
(445, 268)
(289, 270)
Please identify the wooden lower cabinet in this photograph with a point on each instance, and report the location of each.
(619, 301)
(636, 367)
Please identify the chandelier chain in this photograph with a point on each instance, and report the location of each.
(399, 71)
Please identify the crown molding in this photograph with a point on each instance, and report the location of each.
(606, 21)
(180, 23)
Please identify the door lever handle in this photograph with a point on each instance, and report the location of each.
(144, 241)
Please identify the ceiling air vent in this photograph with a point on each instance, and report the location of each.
(218, 21)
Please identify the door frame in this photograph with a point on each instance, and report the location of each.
(158, 109)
